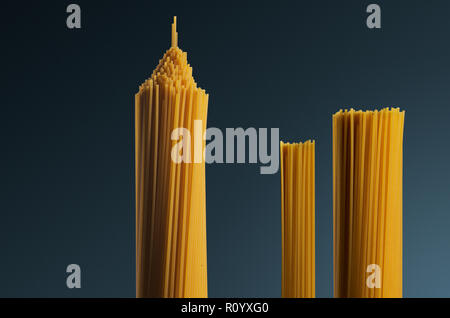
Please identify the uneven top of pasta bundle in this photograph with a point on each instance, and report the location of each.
(173, 69)
(386, 109)
(305, 143)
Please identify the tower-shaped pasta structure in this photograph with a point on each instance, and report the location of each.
(297, 219)
(367, 203)
(170, 183)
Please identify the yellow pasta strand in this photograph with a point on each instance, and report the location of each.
(367, 202)
(297, 219)
(170, 195)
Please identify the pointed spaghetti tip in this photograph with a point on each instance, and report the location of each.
(174, 32)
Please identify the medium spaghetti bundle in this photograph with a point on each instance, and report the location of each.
(367, 202)
(297, 219)
(170, 193)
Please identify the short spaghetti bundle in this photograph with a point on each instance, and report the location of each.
(367, 202)
(170, 195)
(297, 219)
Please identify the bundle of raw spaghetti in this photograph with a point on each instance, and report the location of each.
(367, 203)
(297, 219)
(170, 187)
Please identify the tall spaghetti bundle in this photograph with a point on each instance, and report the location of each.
(367, 203)
(170, 194)
(297, 219)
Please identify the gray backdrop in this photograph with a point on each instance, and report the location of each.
(67, 149)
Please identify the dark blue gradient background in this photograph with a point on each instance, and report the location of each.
(67, 132)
